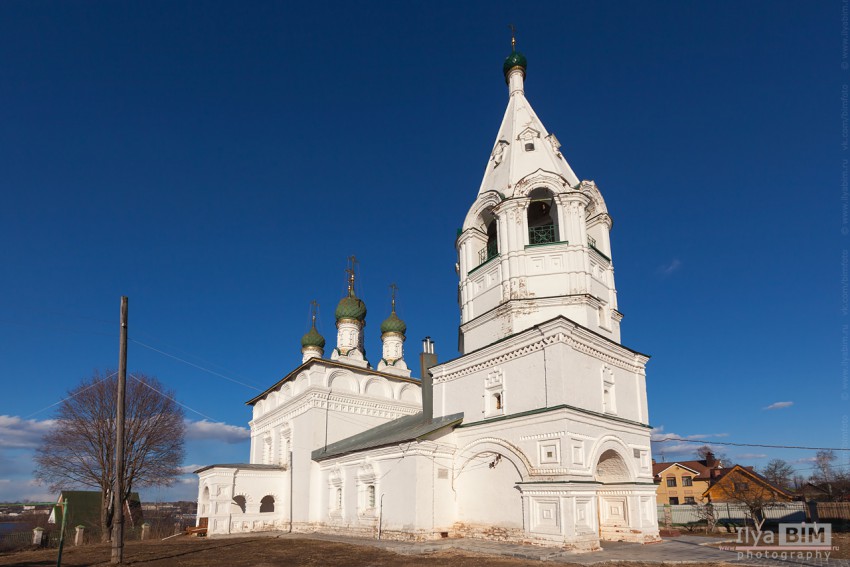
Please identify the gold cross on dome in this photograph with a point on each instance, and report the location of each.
(352, 262)
(393, 290)
(314, 310)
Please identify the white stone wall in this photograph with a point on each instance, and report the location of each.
(557, 363)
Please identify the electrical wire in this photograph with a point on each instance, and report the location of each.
(164, 395)
(77, 393)
(199, 367)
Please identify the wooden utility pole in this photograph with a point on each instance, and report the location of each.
(118, 488)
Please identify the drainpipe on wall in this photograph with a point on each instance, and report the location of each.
(290, 490)
(381, 516)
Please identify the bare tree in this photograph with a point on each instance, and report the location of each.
(826, 476)
(753, 495)
(79, 451)
(824, 466)
(779, 473)
(705, 512)
(703, 451)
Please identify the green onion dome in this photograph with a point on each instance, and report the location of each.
(313, 339)
(351, 307)
(515, 59)
(393, 324)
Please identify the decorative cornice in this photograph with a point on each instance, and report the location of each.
(574, 336)
(309, 364)
(318, 397)
(542, 436)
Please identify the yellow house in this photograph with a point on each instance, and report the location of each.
(685, 482)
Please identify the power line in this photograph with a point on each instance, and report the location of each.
(143, 383)
(703, 442)
(77, 393)
(199, 367)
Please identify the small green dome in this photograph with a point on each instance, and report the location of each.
(351, 307)
(515, 59)
(313, 339)
(393, 324)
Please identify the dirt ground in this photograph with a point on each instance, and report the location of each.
(259, 552)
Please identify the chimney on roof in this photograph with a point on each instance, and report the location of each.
(426, 360)
(710, 460)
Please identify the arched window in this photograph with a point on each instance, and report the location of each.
(370, 496)
(205, 500)
(339, 499)
(490, 227)
(237, 505)
(267, 504)
(542, 217)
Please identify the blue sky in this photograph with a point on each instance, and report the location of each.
(217, 162)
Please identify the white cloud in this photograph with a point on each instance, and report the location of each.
(215, 431)
(779, 405)
(805, 460)
(751, 456)
(19, 433)
(681, 450)
(668, 269)
(189, 469)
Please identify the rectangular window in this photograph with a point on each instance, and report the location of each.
(689, 500)
(741, 487)
(687, 481)
(671, 482)
(674, 500)
(339, 499)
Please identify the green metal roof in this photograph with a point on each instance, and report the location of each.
(393, 324)
(313, 338)
(515, 59)
(407, 428)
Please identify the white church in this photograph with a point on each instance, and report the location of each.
(537, 433)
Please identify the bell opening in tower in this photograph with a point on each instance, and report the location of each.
(542, 217)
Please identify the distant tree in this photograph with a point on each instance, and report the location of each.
(826, 475)
(779, 473)
(824, 466)
(79, 451)
(703, 451)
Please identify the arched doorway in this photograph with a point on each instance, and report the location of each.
(489, 500)
(612, 469)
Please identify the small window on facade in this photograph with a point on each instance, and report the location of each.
(267, 504)
(497, 401)
(690, 500)
(370, 496)
(741, 486)
(671, 482)
(687, 481)
(339, 499)
(239, 502)
(674, 500)
(529, 146)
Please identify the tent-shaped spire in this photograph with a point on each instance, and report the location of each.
(523, 144)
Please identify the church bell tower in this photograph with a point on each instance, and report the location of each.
(535, 243)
